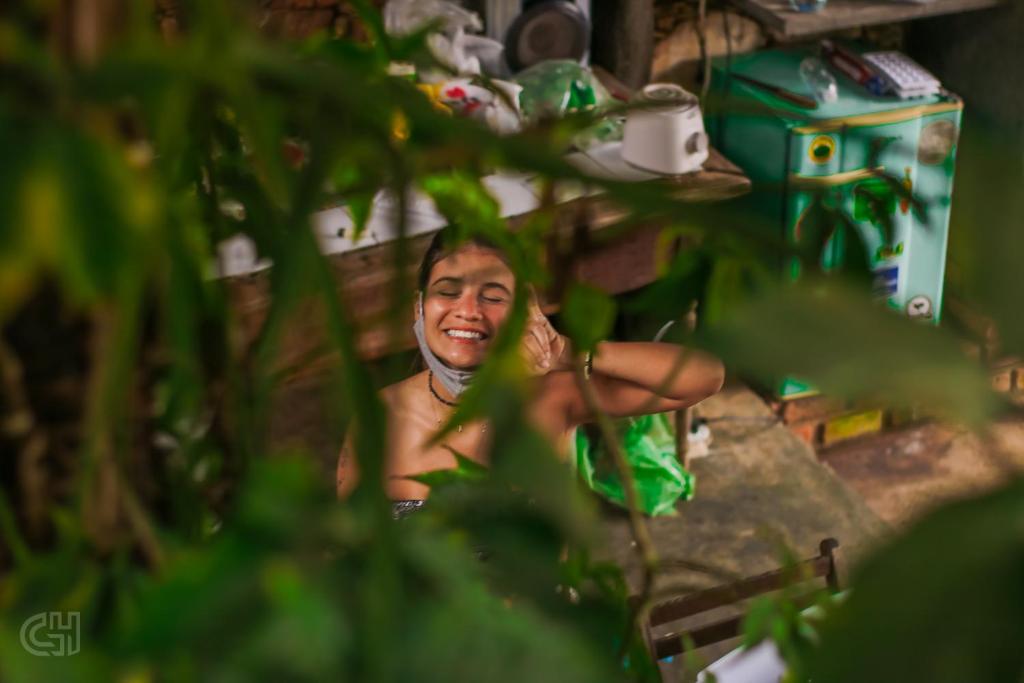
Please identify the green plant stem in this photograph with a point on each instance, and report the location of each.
(645, 549)
(139, 522)
(702, 39)
(114, 351)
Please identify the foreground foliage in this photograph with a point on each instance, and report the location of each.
(139, 486)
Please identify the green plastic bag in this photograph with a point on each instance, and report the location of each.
(649, 444)
(556, 87)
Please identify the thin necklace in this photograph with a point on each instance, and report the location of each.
(453, 404)
(430, 385)
(433, 392)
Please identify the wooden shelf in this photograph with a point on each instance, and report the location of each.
(786, 23)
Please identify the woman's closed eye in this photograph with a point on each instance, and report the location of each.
(494, 294)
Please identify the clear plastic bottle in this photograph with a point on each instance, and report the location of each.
(819, 80)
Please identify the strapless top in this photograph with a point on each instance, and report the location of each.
(402, 508)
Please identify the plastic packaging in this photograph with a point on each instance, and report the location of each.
(853, 66)
(558, 87)
(819, 80)
(808, 5)
(402, 17)
(449, 44)
(498, 108)
(650, 448)
(452, 53)
(490, 53)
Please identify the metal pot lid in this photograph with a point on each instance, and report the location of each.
(555, 29)
(666, 96)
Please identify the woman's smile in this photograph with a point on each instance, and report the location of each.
(462, 335)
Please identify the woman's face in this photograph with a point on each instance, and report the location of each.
(467, 300)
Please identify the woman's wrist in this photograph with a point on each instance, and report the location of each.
(591, 358)
(569, 357)
(566, 357)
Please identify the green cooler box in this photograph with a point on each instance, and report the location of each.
(835, 152)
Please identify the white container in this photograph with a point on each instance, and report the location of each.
(667, 134)
(237, 256)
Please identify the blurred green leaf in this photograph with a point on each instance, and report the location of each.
(986, 244)
(850, 346)
(727, 288)
(587, 314)
(466, 470)
(464, 201)
(940, 602)
(360, 206)
(113, 196)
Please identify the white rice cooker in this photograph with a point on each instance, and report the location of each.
(665, 132)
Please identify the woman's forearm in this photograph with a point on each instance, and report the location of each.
(669, 370)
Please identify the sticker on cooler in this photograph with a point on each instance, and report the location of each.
(886, 281)
(919, 306)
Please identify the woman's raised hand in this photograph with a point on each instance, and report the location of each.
(544, 349)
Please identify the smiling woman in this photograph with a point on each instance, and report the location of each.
(465, 298)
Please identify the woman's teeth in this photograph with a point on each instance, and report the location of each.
(464, 334)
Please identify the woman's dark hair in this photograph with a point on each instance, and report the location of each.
(444, 242)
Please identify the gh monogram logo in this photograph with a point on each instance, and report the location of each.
(51, 634)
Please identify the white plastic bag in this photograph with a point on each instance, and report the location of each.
(402, 17)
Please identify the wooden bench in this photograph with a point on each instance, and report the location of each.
(678, 608)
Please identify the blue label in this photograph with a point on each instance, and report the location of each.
(886, 281)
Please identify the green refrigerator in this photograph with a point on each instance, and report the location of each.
(852, 155)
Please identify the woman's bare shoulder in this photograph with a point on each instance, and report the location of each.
(399, 394)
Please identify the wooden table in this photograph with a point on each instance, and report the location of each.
(366, 278)
(786, 23)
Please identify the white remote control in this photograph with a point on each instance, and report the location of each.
(905, 77)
